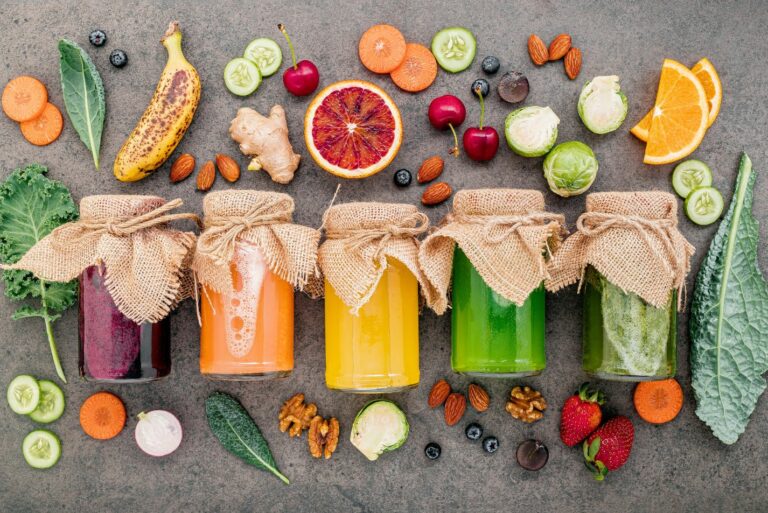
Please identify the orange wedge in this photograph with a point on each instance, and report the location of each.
(643, 127)
(710, 81)
(680, 116)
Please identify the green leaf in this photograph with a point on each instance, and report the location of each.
(83, 95)
(238, 433)
(594, 448)
(729, 319)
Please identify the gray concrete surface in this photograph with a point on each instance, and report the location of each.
(675, 467)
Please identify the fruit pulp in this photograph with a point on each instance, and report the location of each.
(113, 348)
(490, 335)
(376, 350)
(625, 338)
(247, 334)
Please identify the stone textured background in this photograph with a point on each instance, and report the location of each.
(679, 466)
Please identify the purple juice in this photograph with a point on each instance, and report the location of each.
(113, 347)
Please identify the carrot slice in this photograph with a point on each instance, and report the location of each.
(382, 48)
(45, 128)
(658, 402)
(102, 416)
(417, 71)
(24, 98)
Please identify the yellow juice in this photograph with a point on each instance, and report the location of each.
(378, 349)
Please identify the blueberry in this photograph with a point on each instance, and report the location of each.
(491, 64)
(484, 86)
(118, 58)
(432, 450)
(490, 444)
(97, 38)
(403, 178)
(474, 431)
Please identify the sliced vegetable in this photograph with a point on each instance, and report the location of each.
(51, 405)
(158, 432)
(102, 416)
(241, 76)
(602, 105)
(45, 128)
(41, 449)
(570, 168)
(417, 71)
(379, 427)
(531, 131)
(23, 394)
(454, 48)
(689, 175)
(24, 98)
(660, 401)
(266, 54)
(704, 205)
(382, 48)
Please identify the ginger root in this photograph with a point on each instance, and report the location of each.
(266, 139)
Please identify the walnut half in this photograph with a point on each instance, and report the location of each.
(296, 415)
(323, 436)
(526, 404)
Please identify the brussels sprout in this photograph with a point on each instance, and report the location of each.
(531, 131)
(602, 105)
(570, 168)
(379, 427)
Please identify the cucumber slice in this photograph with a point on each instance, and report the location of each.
(454, 48)
(23, 394)
(241, 76)
(690, 175)
(704, 205)
(266, 54)
(41, 449)
(51, 405)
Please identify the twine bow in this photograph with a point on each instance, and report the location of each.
(411, 225)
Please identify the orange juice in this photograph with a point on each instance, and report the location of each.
(248, 334)
(378, 349)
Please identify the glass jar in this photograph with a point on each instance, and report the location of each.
(247, 334)
(376, 350)
(114, 348)
(625, 338)
(490, 335)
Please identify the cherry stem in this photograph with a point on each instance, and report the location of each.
(455, 150)
(479, 93)
(290, 45)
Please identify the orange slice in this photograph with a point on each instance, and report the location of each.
(680, 116)
(710, 81)
(643, 127)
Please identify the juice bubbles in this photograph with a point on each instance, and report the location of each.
(247, 334)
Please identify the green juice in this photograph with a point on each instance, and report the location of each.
(490, 335)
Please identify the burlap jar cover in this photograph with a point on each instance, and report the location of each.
(505, 233)
(262, 218)
(632, 239)
(359, 238)
(143, 258)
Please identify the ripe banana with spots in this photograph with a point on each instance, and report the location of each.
(166, 119)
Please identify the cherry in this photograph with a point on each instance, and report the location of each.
(447, 112)
(481, 143)
(302, 78)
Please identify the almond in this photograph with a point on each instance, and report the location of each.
(229, 169)
(439, 393)
(436, 193)
(206, 176)
(182, 167)
(478, 397)
(430, 169)
(537, 50)
(559, 47)
(572, 63)
(455, 406)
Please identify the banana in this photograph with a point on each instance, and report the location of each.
(167, 117)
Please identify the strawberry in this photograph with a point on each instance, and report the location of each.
(580, 415)
(608, 448)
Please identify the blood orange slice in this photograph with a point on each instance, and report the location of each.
(353, 129)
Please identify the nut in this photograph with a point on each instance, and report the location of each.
(430, 169)
(572, 63)
(478, 397)
(323, 436)
(296, 415)
(439, 393)
(455, 406)
(436, 193)
(228, 168)
(182, 167)
(206, 176)
(537, 50)
(526, 404)
(559, 47)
